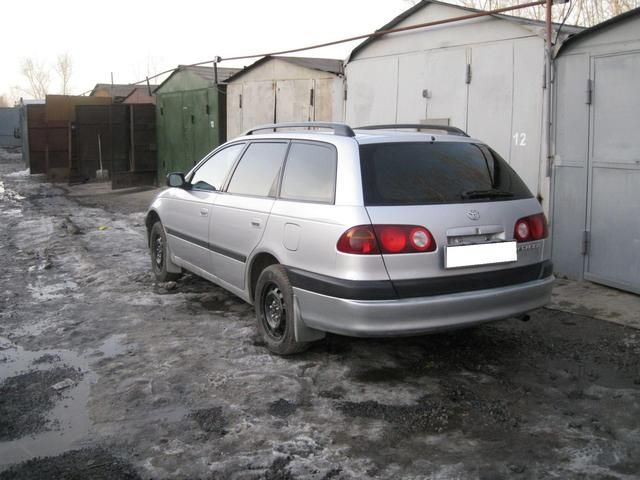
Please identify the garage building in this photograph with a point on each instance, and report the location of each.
(596, 202)
(190, 116)
(485, 75)
(285, 89)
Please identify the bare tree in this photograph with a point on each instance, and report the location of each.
(577, 12)
(64, 69)
(37, 74)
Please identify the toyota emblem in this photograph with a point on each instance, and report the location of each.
(473, 215)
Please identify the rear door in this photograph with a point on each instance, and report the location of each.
(440, 185)
(239, 216)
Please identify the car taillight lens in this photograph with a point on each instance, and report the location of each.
(533, 227)
(386, 239)
(359, 240)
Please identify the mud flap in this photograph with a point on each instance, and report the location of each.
(172, 267)
(301, 332)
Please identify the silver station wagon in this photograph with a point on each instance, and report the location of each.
(376, 231)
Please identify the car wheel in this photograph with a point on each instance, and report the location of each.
(159, 254)
(274, 311)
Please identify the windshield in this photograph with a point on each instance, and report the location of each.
(419, 173)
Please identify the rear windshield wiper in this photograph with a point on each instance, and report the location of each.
(491, 193)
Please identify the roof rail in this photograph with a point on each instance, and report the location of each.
(338, 128)
(417, 126)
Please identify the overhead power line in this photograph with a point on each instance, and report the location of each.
(377, 33)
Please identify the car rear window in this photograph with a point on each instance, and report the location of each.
(419, 173)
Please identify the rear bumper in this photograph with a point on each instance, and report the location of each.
(416, 315)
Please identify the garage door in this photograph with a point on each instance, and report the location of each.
(613, 223)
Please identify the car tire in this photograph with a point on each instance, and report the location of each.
(160, 254)
(274, 312)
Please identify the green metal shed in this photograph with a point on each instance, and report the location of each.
(191, 117)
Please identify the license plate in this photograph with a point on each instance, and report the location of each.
(480, 254)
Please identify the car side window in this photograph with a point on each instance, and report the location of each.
(212, 173)
(310, 173)
(258, 171)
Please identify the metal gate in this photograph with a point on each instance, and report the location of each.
(102, 139)
(612, 239)
(119, 138)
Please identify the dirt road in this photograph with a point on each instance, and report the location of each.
(106, 374)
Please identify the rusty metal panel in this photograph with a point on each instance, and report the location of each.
(63, 107)
(127, 136)
(101, 129)
(143, 118)
(58, 150)
(37, 138)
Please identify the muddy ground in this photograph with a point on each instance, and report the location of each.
(106, 374)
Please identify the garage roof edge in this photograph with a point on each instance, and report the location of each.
(424, 3)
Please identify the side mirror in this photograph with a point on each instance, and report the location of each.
(176, 180)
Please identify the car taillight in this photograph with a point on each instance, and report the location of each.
(372, 239)
(360, 240)
(533, 227)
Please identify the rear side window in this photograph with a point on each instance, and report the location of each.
(420, 173)
(259, 169)
(310, 173)
(212, 173)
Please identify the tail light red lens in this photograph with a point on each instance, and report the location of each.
(533, 227)
(393, 239)
(359, 240)
(386, 239)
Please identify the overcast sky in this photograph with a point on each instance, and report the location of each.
(133, 38)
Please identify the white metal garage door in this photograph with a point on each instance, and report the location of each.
(613, 212)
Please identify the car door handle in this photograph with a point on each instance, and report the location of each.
(256, 223)
(204, 212)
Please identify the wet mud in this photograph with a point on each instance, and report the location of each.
(169, 380)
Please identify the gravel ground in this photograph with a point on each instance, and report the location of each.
(171, 381)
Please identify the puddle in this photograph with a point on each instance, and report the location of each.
(111, 347)
(42, 291)
(67, 421)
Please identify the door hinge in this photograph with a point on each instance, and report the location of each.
(311, 97)
(240, 101)
(586, 242)
(345, 93)
(467, 79)
(589, 92)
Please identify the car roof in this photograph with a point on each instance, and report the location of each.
(365, 136)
